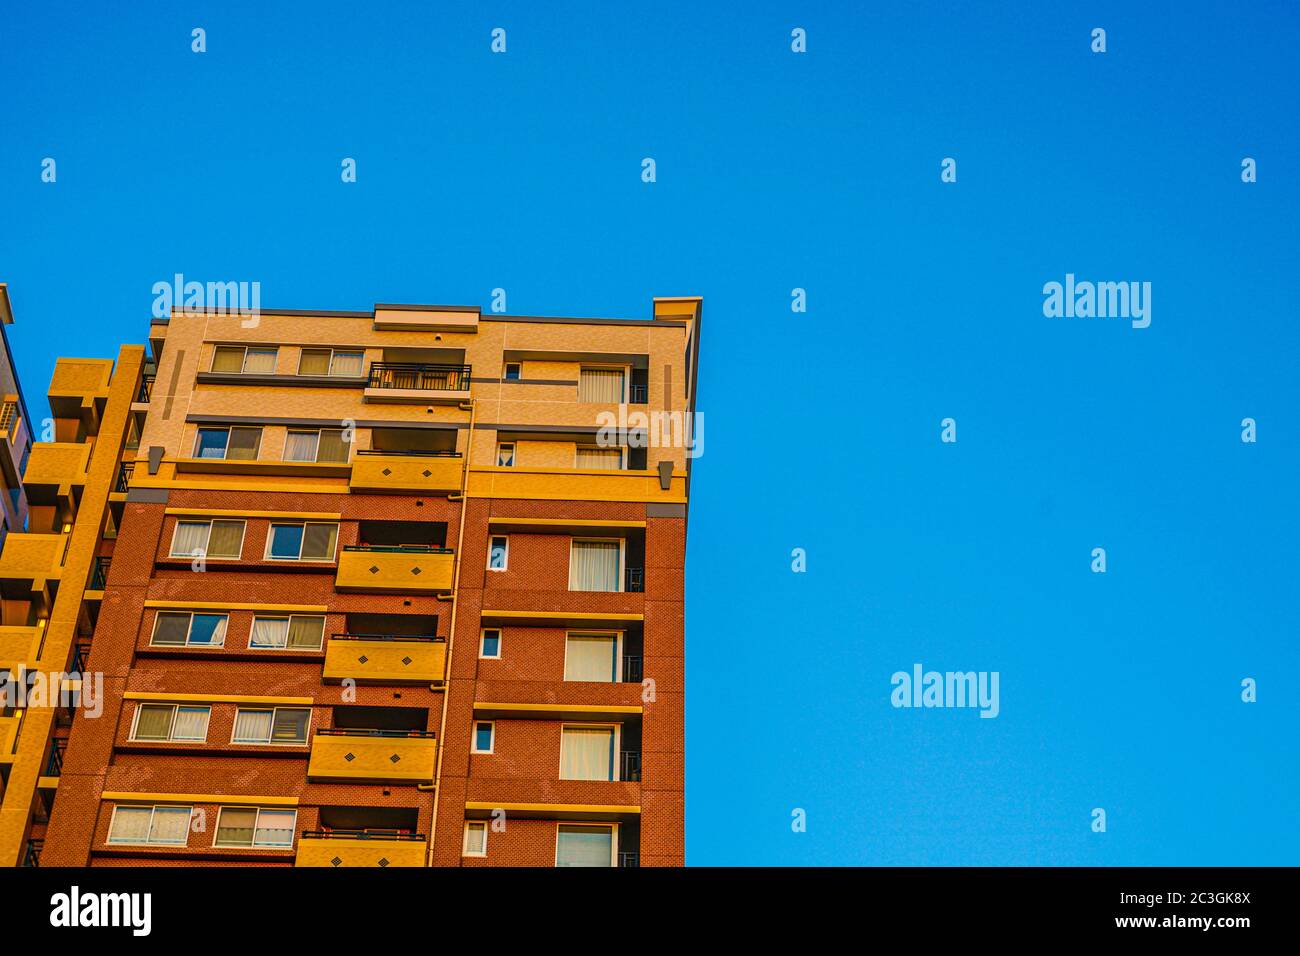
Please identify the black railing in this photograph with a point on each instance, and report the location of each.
(124, 471)
(631, 669)
(630, 765)
(33, 855)
(400, 548)
(54, 766)
(413, 454)
(638, 394)
(99, 573)
(362, 835)
(146, 389)
(425, 378)
(421, 638)
(634, 579)
(362, 732)
(80, 655)
(629, 858)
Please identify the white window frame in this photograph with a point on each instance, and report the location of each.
(613, 842)
(270, 537)
(464, 844)
(514, 453)
(505, 372)
(171, 727)
(225, 452)
(333, 352)
(482, 639)
(154, 808)
(492, 538)
(620, 581)
(254, 845)
(270, 741)
(618, 650)
(243, 364)
(189, 628)
(243, 532)
(616, 758)
(492, 742)
(288, 618)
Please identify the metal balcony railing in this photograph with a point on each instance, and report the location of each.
(420, 638)
(631, 669)
(399, 548)
(146, 389)
(630, 765)
(376, 834)
(54, 766)
(80, 655)
(366, 732)
(428, 378)
(638, 394)
(99, 573)
(630, 858)
(634, 580)
(32, 857)
(416, 453)
(124, 471)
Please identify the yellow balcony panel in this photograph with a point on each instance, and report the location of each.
(53, 469)
(575, 484)
(378, 756)
(346, 848)
(405, 474)
(31, 558)
(432, 318)
(381, 659)
(394, 570)
(77, 383)
(9, 734)
(18, 645)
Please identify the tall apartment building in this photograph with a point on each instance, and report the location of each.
(60, 535)
(384, 591)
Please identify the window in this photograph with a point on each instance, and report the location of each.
(584, 846)
(165, 825)
(587, 753)
(325, 444)
(513, 370)
(484, 736)
(596, 565)
(232, 444)
(505, 454)
(498, 552)
(213, 539)
(601, 385)
(236, 358)
(591, 657)
(294, 632)
(277, 725)
(475, 838)
(301, 542)
(247, 826)
(170, 722)
(490, 644)
(608, 459)
(331, 362)
(181, 628)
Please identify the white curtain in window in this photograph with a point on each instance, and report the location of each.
(594, 566)
(270, 632)
(170, 825)
(602, 385)
(252, 726)
(347, 363)
(274, 828)
(300, 446)
(475, 837)
(585, 846)
(191, 724)
(130, 825)
(591, 658)
(190, 536)
(261, 361)
(587, 753)
(611, 459)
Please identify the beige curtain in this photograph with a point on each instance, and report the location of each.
(154, 722)
(314, 362)
(591, 658)
(228, 359)
(348, 364)
(600, 385)
(170, 825)
(610, 459)
(332, 447)
(130, 825)
(226, 539)
(191, 723)
(593, 566)
(191, 536)
(318, 542)
(236, 826)
(243, 443)
(274, 828)
(269, 632)
(260, 361)
(585, 846)
(300, 446)
(252, 726)
(587, 753)
(306, 633)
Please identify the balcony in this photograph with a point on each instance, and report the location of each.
(145, 394)
(629, 765)
(18, 645)
(411, 384)
(406, 472)
(385, 658)
(634, 580)
(99, 573)
(32, 856)
(78, 389)
(360, 848)
(54, 469)
(377, 756)
(9, 727)
(30, 562)
(629, 858)
(395, 569)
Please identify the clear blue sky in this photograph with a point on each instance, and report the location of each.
(819, 171)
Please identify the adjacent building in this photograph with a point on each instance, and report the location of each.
(402, 587)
